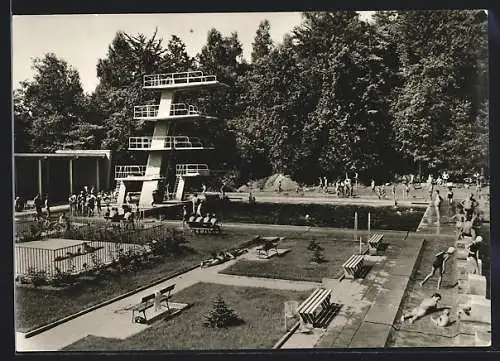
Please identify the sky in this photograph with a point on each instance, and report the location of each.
(83, 39)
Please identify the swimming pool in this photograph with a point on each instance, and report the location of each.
(321, 215)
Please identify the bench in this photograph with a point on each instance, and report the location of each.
(269, 244)
(308, 309)
(353, 265)
(375, 242)
(149, 301)
(204, 227)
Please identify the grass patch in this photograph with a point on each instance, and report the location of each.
(56, 305)
(261, 310)
(296, 265)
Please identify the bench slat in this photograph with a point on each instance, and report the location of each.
(314, 300)
(317, 301)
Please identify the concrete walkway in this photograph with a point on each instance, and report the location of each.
(114, 320)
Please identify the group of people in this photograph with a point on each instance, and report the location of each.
(342, 187)
(88, 203)
(466, 218)
(39, 203)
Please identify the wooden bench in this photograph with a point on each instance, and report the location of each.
(308, 310)
(375, 242)
(353, 265)
(204, 227)
(149, 301)
(269, 244)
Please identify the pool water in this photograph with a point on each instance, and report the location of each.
(320, 215)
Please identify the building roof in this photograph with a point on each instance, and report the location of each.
(67, 154)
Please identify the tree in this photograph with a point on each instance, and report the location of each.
(262, 44)
(51, 107)
(444, 71)
(120, 75)
(221, 316)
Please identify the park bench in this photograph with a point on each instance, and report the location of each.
(149, 301)
(318, 300)
(353, 265)
(213, 226)
(375, 242)
(269, 244)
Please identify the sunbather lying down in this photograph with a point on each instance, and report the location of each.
(426, 306)
(222, 257)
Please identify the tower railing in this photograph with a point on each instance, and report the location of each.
(158, 80)
(191, 170)
(164, 143)
(124, 171)
(146, 111)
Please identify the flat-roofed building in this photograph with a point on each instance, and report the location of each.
(61, 173)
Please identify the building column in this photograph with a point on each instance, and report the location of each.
(40, 176)
(71, 175)
(98, 176)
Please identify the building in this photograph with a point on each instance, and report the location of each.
(61, 173)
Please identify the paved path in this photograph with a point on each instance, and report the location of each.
(114, 320)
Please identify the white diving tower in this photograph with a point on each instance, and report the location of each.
(163, 142)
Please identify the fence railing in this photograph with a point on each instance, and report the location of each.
(146, 111)
(192, 170)
(160, 80)
(164, 143)
(96, 242)
(123, 171)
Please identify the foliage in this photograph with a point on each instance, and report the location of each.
(317, 252)
(37, 277)
(221, 316)
(62, 278)
(406, 92)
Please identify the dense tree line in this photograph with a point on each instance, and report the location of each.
(403, 93)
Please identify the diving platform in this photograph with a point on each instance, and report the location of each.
(166, 143)
(180, 81)
(191, 170)
(134, 173)
(152, 112)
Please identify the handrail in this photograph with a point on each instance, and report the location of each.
(146, 111)
(155, 80)
(151, 111)
(179, 142)
(123, 171)
(191, 169)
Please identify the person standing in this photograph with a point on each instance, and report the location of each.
(393, 189)
(439, 266)
(38, 203)
(473, 253)
(47, 205)
(437, 206)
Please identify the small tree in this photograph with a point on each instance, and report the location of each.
(317, 252)
(221, 315)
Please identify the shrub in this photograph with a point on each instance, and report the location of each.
(221, 316)
(313, 246)
(62, 278)
(37, 278)
(317, 256)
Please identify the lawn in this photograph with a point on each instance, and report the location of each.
(296, 264)
(56, 305)
(261, 310)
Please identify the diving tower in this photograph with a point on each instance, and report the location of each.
(164, 142)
